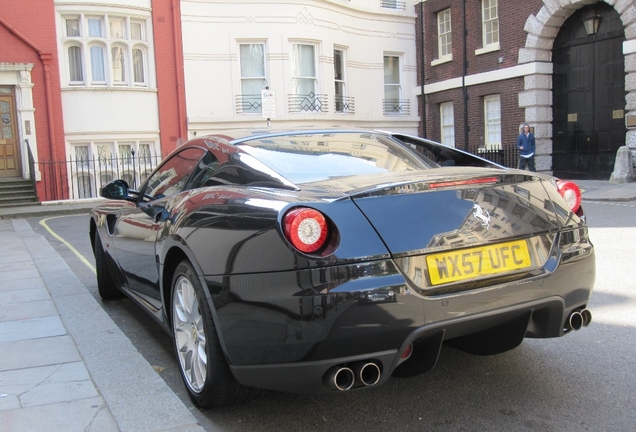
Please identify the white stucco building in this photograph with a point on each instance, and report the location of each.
(326, 63)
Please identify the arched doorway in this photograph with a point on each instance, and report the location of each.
(588, 95)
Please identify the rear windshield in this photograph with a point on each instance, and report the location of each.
(316, 157)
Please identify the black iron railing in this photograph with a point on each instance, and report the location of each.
(31, 166)
(86, 176)
(396, 107)
(249, 103)
(311, 102)
(508, 157)
(393, 4)
(345, 104)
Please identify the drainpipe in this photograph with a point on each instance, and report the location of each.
(464, 72)
(178, 52)
(422, 70)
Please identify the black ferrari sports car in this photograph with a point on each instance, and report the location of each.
(328, 260)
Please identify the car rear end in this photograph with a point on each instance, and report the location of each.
(389, 266)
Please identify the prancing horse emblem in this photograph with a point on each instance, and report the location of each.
(481, 215)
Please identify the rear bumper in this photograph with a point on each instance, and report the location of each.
(286, 330)
(426, 342)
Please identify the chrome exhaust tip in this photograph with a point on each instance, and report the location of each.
(586, 315)
(575, 321)
(367, 373)
(339, 378)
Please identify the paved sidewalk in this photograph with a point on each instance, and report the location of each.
(64, 364)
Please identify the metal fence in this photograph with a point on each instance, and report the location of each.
(508, 157)
(83, 178)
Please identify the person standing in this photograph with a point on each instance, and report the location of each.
(527, 147)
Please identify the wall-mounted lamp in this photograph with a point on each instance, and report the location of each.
(591, 23)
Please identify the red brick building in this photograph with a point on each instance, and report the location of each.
(489, 66)
(50, 85)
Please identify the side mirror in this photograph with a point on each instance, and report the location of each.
(117, 189)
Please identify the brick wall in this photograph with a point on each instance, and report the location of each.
(29, 37)
(512, 19)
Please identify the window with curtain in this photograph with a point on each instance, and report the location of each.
(392, 87)
(339, 79)
(137, 30)
(81, 155)
(444, 35)
(72, 27)
(125, 153)
(144, 154)
(95, 27)
(117, 28)
(490, 17)
(447, 121)
(84, 189)
(118, 59)
(105, 154)
(110, 49)
(98, 73)
(139, 66)
(76, 73)
(253, 78)
(492, 122)
(304, 70)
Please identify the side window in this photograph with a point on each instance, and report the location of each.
(173, 175)
(206, 169)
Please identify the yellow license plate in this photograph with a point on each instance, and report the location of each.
(471, 263)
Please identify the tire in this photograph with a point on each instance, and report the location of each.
(205, 372)
(105, 284)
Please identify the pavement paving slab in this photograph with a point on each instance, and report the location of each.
(65, 365)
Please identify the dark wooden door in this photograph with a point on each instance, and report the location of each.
(588, 97)
(9, 156)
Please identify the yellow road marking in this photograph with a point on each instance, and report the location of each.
(67, 244)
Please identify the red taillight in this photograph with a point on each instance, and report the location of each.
(571, 193)
(306, 229)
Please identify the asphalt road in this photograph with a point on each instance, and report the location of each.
(581, 382)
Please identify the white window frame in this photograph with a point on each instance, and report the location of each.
(392, 87)
(143, 78)
(252, 78)
(340, 80)
(296, 75)
(490, 27)
(108, 159)
(447, 123)
(492, 122)
(74, 63)
(444, 38)
(77, 32)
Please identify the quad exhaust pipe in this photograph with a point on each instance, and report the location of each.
(578, 319)
(343, 378)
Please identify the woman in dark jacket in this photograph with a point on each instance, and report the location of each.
(526, 146)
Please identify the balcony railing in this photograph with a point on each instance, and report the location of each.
(345, 104)
(307, 103)
(397, 107)
(248, 104)
(393, 4)
(86, 176)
